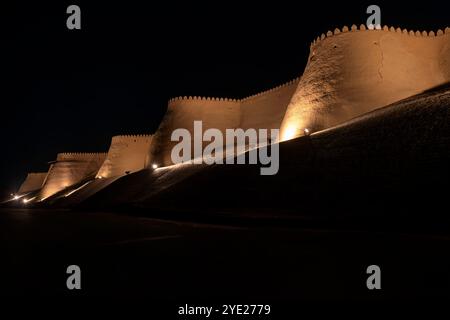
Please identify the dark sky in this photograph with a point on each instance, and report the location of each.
(70, 91)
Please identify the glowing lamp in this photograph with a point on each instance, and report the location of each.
(154, 166)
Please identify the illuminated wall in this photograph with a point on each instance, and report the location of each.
(351, 72)
(261, 111)
(182, 112)
(126, 154)
(266, 110)
(33, 182)
(69, 169)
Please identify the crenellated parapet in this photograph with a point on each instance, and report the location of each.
(206, 99)
(233, 100)
(132, 138)
(363, 28)
(36, 174)
(82, 156)
(272, 90)
(266, 110)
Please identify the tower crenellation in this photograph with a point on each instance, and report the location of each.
(363, 28)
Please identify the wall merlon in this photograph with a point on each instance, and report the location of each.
(271, 90)
(233, 100)
(199, 98)
(123, 138)
(80, 155)
(363, 28)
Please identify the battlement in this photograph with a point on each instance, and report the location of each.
(83, 156)
(272, 90)
(233, 100)
(130, 138)
(195, 98)
(363, 28)
(36, 174)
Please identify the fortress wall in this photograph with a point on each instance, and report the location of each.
(261, 111)
(181, 113)
(351, 72)
(69, 169)
(266, 110)
(127, 153)
(33, 182)
(445, 57)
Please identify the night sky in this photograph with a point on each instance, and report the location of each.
(72, 90)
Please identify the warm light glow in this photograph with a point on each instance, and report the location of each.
(154, 166)
(77, 189)
(99, 177)
(307, 132)
(28, 200)
(16, 197)
(289, 133)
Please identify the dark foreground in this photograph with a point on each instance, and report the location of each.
(184, 262)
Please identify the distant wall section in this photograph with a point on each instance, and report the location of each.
(69, 169)
(127, 154)
(33, 182)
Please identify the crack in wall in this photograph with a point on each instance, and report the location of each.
(381, 62)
